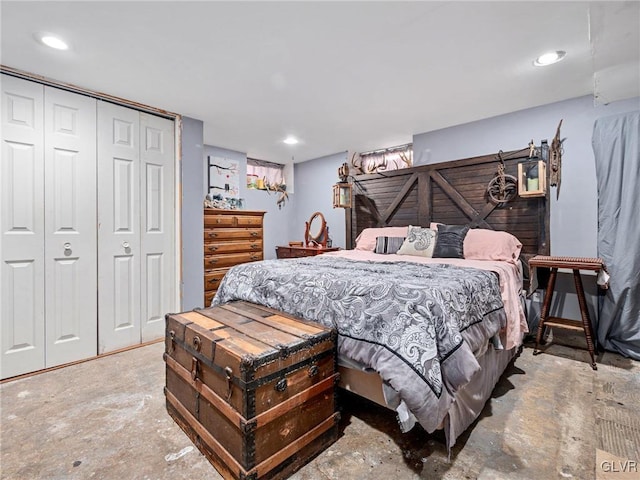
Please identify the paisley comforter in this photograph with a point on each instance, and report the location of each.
(417, 325)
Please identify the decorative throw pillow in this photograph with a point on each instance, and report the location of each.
(367, 238)
(450, 242)
(419, 242)
(387, 245)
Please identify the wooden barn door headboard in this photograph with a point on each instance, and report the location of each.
(454, 193)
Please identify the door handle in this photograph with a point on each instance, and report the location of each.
(67, 247)
(125, 245)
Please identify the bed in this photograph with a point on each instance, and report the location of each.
(427, 337)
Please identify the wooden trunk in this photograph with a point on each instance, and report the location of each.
(252, 387)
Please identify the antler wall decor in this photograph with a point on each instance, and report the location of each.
(393, 158)
(555, 161)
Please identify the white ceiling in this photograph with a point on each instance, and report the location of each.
(339, 75)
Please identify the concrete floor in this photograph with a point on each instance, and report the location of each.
(106, 419)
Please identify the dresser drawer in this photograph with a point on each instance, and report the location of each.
(208, 296)
(284, 252)
(297, 252)
(232, 221)
(211, 247)
(232, 234)
(230, 259)
(213, 278)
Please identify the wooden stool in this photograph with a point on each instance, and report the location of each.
(575, 264)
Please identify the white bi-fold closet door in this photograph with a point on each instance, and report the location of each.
(136, 222)
(48, 281)
(66, 201)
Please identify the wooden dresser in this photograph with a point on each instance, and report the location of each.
(231, 237)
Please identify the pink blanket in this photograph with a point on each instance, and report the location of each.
(508, 273)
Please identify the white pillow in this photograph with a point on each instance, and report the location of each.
(419, 242)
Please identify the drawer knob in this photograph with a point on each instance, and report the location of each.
(254, 234)
(313, 370)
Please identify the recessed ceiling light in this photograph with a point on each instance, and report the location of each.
(549, 58)
(290, 140)
(53, 42)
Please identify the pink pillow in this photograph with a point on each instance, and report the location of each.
(367, 238)
(481, 244)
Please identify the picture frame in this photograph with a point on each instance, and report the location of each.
(223, 177)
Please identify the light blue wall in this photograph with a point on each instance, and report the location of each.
(314, 181)
(573, 224)
(276, 221)
(313, 186)
(192, 285)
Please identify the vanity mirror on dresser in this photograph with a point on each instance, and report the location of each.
(316, 237)
(231, 237)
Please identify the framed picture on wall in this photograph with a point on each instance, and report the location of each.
(224, 177)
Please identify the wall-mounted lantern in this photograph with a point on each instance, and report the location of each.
(532, 178)
(343, 190)
(342, 195)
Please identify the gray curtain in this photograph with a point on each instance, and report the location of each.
(617, 151)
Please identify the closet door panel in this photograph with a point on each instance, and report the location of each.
(118, 227)
(70, 225)
(157, 223)
(22, 228)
